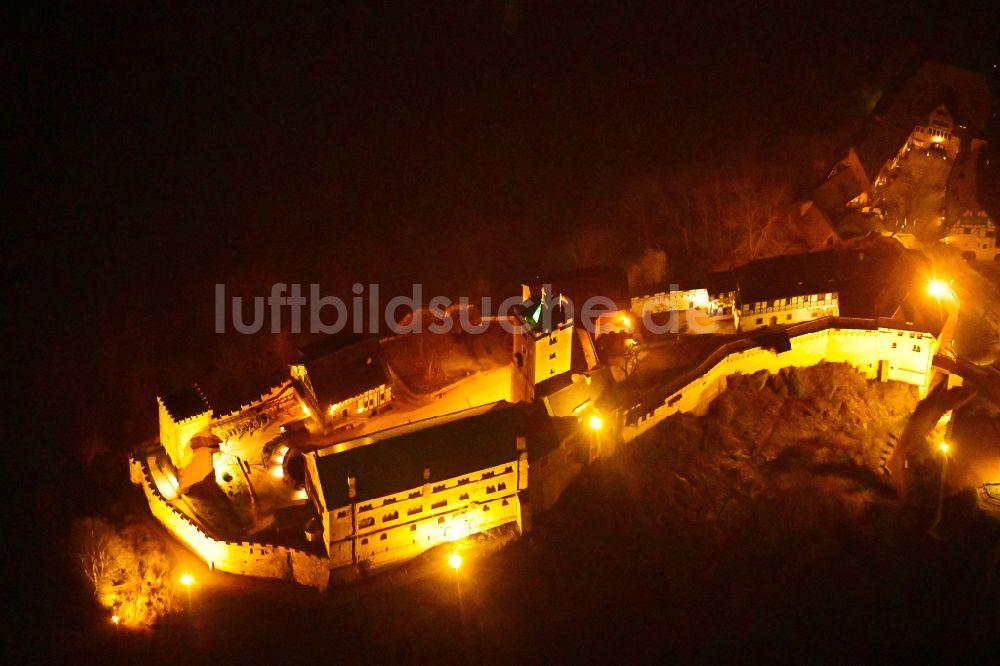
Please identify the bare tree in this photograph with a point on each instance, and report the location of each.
(630, 360)
(710, 213)
(97, 547)
(128, 568)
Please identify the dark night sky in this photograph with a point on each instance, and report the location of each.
(188, 144)
(160, 149)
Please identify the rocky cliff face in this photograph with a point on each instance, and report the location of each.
(824, 430)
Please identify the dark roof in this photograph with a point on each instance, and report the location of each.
(788, 275)
(346, 372)
(881, 144)
(396, 464)
(205, 440)
(721, 282)
(844, 185)
(872, 282)
(544, 433)
(185, 403)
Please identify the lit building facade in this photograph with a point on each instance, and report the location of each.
(975, 236)
(671, 301)
(786, 310)
(721, 289)
(388, 497)
(344, 382)
(792, 289)
(938, 132)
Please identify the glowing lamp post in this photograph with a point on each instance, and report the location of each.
(455, 562)
(116, 620)
(939, 289)
(187, 580)
(596, 423)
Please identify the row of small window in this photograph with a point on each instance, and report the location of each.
(413, 510)
(441, 519)
(937, 132)
(916, 348)
(979, 231)
(794, 301)
(760, 320)
(372, 399)
(436, 489)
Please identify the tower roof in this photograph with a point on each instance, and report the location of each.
(396, 460)
(186, 403)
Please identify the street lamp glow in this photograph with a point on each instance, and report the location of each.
(115, 619)
(187, 580)
(596, 423)
(938, 288)
(455, 561)
(944, 447)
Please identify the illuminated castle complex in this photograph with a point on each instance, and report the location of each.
(339, 470)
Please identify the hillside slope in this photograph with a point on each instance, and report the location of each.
(765, 528)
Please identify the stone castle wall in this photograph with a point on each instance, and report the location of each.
(888, 354)
(237, 557)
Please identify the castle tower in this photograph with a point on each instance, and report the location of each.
(542, 344)
(183, 415)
